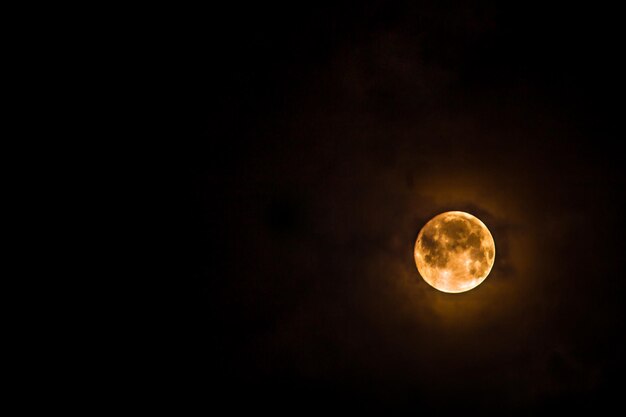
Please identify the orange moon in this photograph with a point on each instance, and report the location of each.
(454, 252)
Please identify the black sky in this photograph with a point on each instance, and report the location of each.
(320, 139)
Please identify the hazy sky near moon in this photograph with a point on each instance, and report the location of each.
(334, 158)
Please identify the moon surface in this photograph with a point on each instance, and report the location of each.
(454, 252)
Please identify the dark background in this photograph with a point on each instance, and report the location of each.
(317, 141)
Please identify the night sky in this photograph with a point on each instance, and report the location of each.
(318, 140)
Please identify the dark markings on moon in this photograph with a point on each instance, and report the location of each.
(454, 235)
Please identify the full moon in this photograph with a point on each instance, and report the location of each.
(454, 252)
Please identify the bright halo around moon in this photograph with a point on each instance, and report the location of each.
(454, 252)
